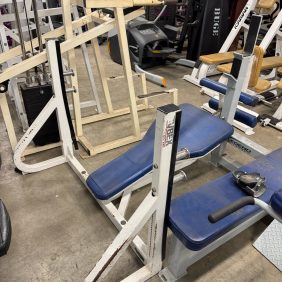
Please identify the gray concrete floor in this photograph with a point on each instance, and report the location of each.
(59, 231)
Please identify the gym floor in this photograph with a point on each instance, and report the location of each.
(60, 232)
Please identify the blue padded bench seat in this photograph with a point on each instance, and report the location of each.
(245, 98)
(188, 217)
(240, 115)
(200, 132)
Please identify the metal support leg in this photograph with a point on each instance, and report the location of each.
(88, 66)
(8, 121)
(123, 45)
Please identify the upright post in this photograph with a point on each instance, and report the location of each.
(123, 46)
(67, 11)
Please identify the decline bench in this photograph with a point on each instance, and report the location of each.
(193, 235)
(128, 169)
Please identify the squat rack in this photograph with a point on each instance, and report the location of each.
(68, 46)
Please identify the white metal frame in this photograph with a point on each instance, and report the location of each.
(57, 103)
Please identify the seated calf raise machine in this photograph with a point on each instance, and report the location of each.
(211, 135)
(206, 64)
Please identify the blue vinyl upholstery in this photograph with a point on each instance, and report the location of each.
(200, 132)
(188, 217)
(276, 201)
(240, 115)
(245, 98)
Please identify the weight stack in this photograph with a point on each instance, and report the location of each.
(35, 98)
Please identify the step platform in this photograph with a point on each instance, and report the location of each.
(188, 217)
(200, 133)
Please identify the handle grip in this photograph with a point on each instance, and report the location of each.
(153, 2)
(229, 209)
(170, 2)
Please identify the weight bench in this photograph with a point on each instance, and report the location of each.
(195, 236)
(124, 171)
(267, 63)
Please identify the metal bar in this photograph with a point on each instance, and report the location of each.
(20, 33)
(65, 46)
(19, 27)
(39, 36)
(88, 67)
(181, 176)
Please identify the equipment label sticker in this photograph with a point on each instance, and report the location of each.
(168, 134)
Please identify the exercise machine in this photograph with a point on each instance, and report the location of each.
(151, 42)
(148, 47)
(257, 89)
(38, 22)
(138, 167)
(206, 64)
(73, 40)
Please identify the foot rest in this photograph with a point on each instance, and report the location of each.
(218, 58)
(5, 229)
(245, 98)
(188, 217)
(240, 115)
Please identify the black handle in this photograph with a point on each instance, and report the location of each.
(170, 2)
(227, 210)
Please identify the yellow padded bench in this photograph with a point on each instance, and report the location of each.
(218, 58)
(265, 4)
(259, 64)
(267, 63)
(262, 85)
(279, 71)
